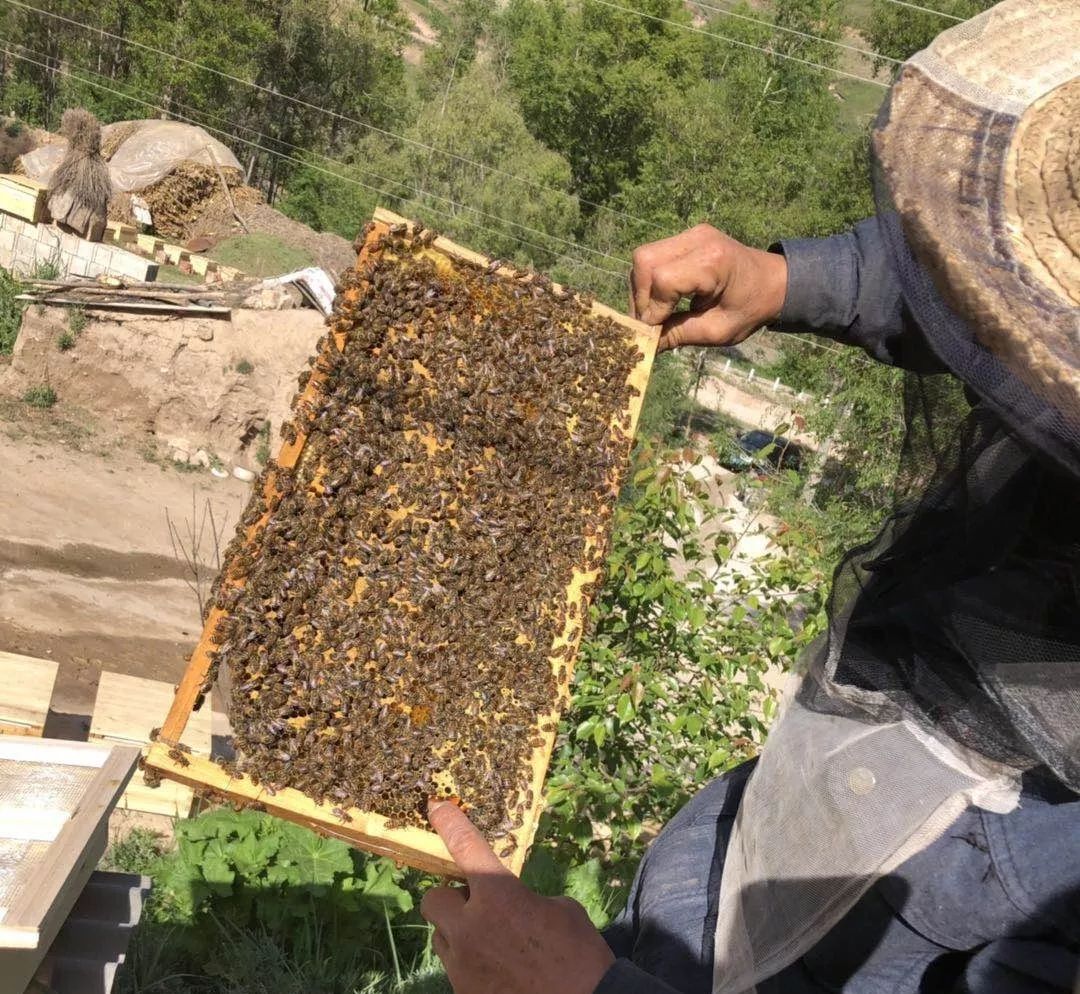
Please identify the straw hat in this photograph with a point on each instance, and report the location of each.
(979, 149)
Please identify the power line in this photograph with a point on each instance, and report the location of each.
(795, 31)
(787, 337)
(732, 41)
(324, 110)
(289, 158)
(925, 10)
(367, 186)
(367, 172)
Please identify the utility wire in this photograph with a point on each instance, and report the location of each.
(732, 41)
(367, 172)
(724, 12)
(347, 179)
(808, 342)
(323, 110)
(925, 10)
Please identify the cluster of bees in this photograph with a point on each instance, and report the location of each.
(397, 621)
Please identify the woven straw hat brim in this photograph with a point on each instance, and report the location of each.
(981, 157)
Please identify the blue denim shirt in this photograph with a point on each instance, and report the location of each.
(992, 907)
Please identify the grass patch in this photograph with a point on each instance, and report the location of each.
(244, 367)
(49, 270)
(260, 254)
(42, 397)
(77, 321)
(173, 274)
(860, 103)
(859, 14)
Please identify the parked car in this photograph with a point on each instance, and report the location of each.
(762, 451)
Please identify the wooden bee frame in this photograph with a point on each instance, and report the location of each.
(415, 847)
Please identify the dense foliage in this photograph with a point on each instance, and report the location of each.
(670, 685)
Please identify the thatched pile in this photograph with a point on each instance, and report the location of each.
(187, 195)
(80, 188)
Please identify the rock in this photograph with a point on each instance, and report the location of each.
(199, 244)
(243, 474)
(205, 331)
(218, 472)
(180, 443)
(180, 456)
(201, 458)
(273, 298)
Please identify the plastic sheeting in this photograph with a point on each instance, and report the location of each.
(152, 151)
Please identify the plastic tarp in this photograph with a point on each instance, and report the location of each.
(151, 152)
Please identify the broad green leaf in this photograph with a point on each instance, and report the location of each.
(252, 855)
(317, 859)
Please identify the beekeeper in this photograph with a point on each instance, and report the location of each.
(913, 822)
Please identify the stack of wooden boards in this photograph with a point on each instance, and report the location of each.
(126, 711)
(23, 197)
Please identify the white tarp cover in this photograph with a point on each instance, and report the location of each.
(153, 151)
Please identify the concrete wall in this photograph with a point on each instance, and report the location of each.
(23, 246)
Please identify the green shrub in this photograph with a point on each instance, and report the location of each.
(77, 321)
(11, 311)
(668, 687)
(13, 129)
(136, 852)
(65, 341)
(42, 396)
(244, 367)
(262, 451)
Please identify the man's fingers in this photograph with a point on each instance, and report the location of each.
(441, 946)
(683, 277)
(694, 328)
(441, 906)
(462, 838)
(647, 259)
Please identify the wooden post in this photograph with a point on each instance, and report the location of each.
(225, 187)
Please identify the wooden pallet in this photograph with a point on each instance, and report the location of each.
(26, 686)
(414, 846)
(126, 710)
(54, 825)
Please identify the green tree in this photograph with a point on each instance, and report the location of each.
(899, 32)
(479, 122)
(590, 79)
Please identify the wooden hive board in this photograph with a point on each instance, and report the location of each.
(414, 846)
(26, 686)
(126, 711)
(23, 197)
(55, 799)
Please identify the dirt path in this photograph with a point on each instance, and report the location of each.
(87, 571)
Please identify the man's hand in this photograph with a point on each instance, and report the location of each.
(733, 289)
(497, 936)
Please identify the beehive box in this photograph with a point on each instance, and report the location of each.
(413, 572)
(55, 799)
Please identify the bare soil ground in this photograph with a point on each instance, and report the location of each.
(87, 571)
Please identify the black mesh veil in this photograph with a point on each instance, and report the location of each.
(962, 615)
(950, 667)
